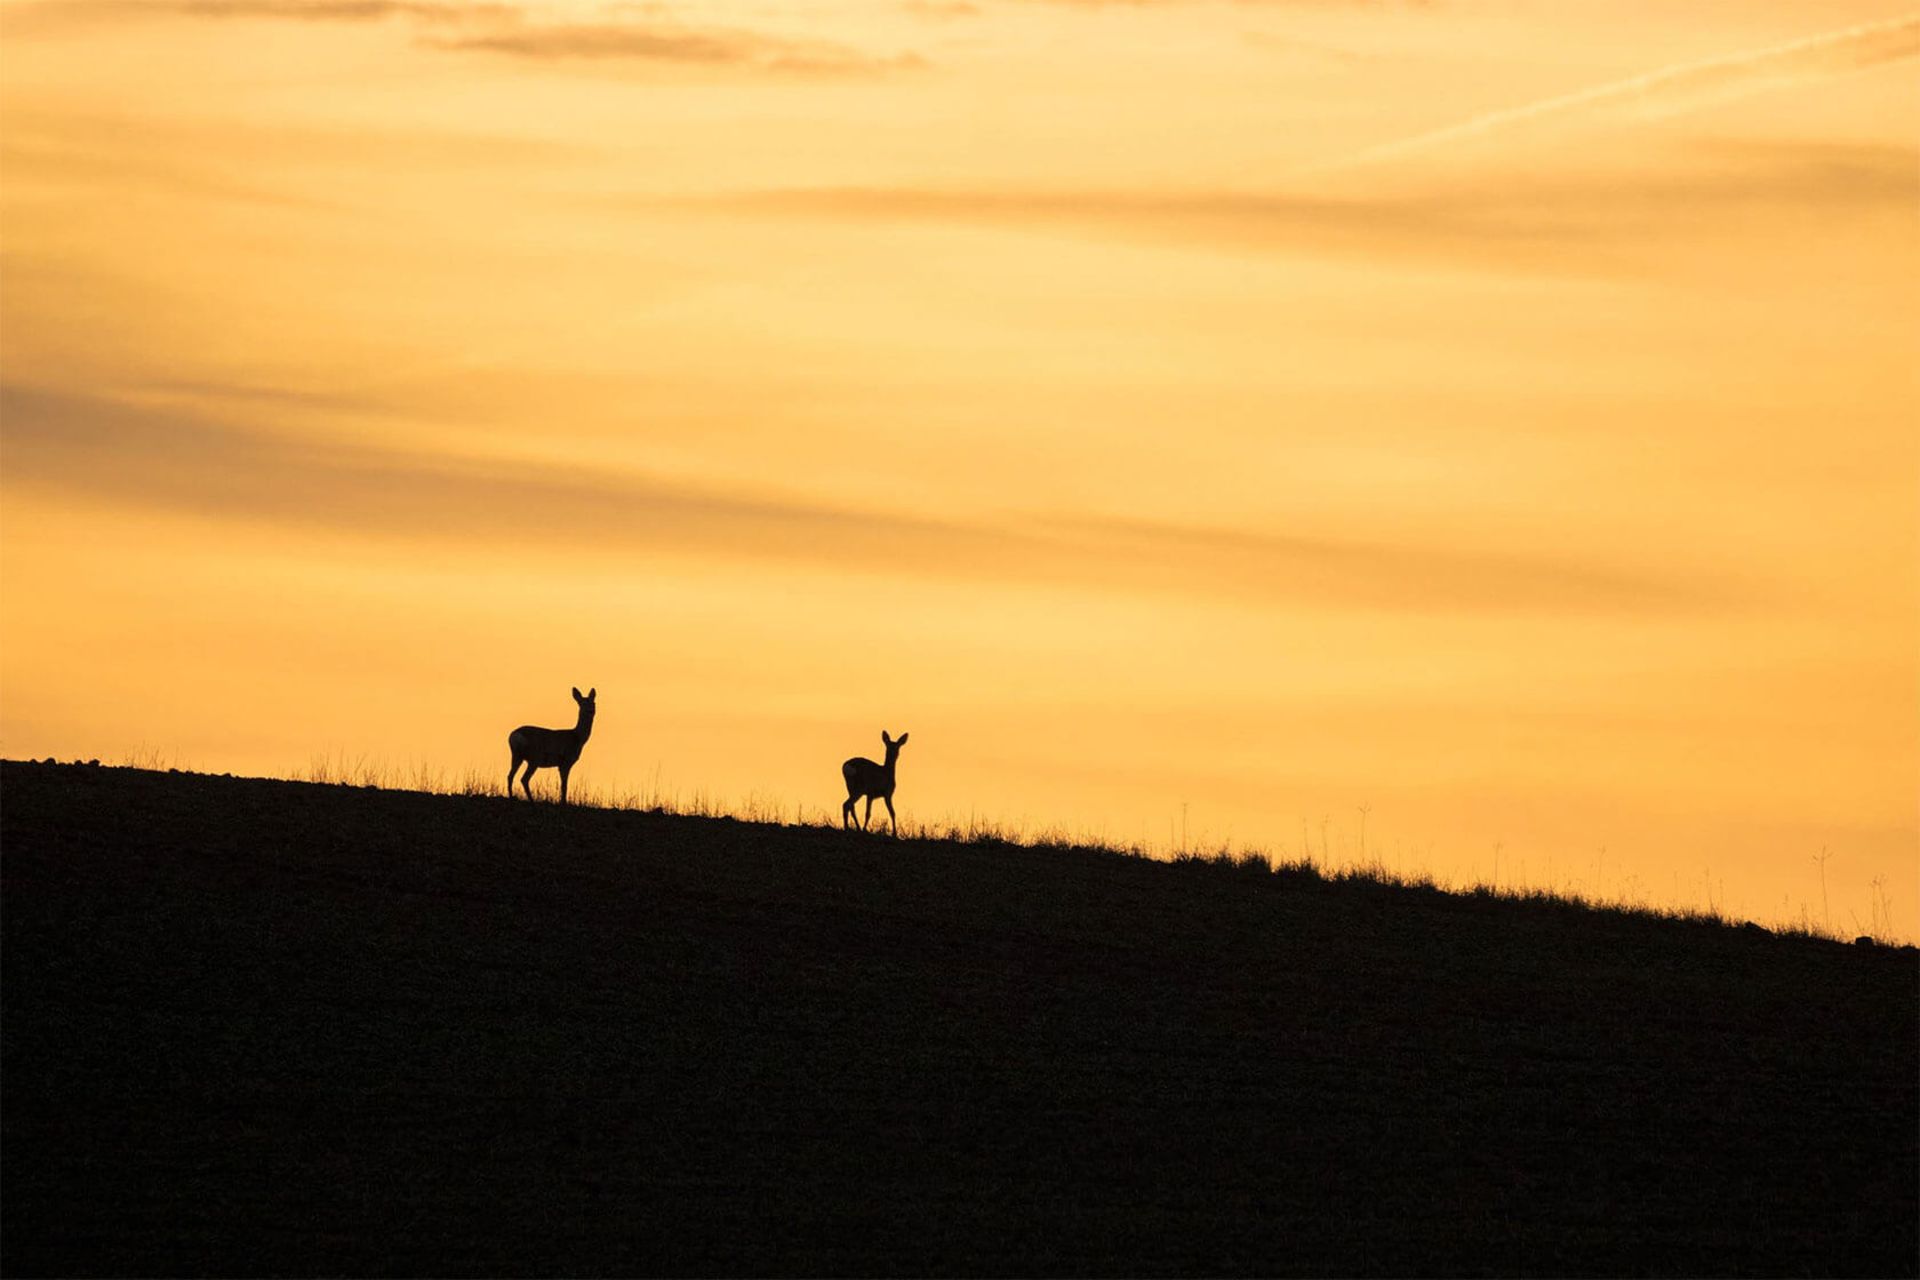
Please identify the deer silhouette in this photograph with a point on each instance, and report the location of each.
(550, 748)
(874, 781)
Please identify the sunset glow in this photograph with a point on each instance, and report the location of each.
(1483, 432)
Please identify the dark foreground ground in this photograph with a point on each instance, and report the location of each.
(267, 1027)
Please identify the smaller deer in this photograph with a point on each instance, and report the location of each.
(550, 748)
(874, 781)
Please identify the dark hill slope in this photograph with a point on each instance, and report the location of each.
(259, 1027)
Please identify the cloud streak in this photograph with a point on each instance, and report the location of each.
(1685, 86)
(608, 42)
(505, 29)
(338, 10)
(48, 14)
(1527, 223)
(138, 457)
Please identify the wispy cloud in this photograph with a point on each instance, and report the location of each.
(603, 42)
(339, 10)
(1531, 222)
(1685, 86)
(641, 35)
(49, 14)
(147, 457)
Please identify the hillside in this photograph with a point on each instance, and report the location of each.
(269, 1027)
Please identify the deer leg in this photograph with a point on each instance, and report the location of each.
(565, 769)
(891, 816)
(868, 818)
(526, 779)
(511, 770)
(846, 814)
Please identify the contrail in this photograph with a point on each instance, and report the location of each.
(1690, 84)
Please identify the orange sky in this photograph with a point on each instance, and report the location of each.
(1502, 418)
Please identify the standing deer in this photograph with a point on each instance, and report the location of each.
(874, 781)
(550, 748)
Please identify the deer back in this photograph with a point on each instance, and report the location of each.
(865, 778)
(546, 747)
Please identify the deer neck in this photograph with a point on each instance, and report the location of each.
(583, 728)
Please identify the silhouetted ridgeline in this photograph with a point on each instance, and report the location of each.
(273, 1027)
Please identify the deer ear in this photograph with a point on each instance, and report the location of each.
(900, 741)
(576, 694)
(592, 694)
(885, 740)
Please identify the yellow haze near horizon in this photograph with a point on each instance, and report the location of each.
(1098, 392)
